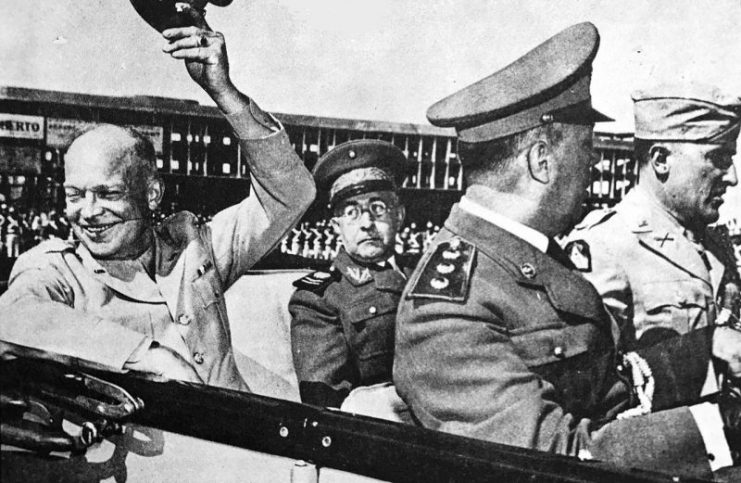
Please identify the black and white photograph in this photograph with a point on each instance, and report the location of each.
(323, 241)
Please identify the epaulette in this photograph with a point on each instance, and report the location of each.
(316, 282)
(56, 245)
(446, 273)
(595, 218)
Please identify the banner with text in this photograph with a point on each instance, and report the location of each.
(21, 126)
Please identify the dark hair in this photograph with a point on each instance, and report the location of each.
(494, 157)
(641, 150)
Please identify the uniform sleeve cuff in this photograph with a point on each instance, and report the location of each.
(241, 120)
(710, 424)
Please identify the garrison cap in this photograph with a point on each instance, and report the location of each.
(548, 84)
(360, 166)
(686, 112)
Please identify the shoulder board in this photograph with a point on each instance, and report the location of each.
(178, 227)
(55, 245)
(595, 218)
(315, 282)
(445, 274)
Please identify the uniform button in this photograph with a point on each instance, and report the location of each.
(372, 310)
(198, 357)
(184, 319)
(558, 351)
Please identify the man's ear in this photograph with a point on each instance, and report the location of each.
(657, 158)
(335, 225)
(401, 213)
(540, 161)
(155, 192)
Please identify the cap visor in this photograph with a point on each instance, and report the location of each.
(599, 117)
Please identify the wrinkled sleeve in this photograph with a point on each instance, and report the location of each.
(281, 188)
(320, 352)
(39, 320)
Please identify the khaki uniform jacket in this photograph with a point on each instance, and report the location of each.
(496, 340)
(342, 329)
(650, 275)
(62, 304)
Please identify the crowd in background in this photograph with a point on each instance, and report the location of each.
(21, 229)
(319, 241)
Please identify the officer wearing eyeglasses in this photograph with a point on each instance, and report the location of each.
(342, 329)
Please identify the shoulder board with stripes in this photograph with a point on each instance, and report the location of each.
(446, 274)
(315, 281)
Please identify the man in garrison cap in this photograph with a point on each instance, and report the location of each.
(658, 267)
(343, 320)
(132, 295)
(498, 336)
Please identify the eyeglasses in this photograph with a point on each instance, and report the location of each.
(353, 211)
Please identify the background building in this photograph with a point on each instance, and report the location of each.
(200, 161)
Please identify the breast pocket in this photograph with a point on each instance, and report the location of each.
(680, 305)
(576, 360)
(370, 323)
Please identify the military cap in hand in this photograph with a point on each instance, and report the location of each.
(688, 112)
(548, 84)
(165, 14)
(360, 166)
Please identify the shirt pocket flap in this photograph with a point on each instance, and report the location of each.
(370, 308)
(546, 346)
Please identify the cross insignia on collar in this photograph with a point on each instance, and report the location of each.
(667, 237)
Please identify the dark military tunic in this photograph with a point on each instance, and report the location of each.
(496, 340)
(342, 332)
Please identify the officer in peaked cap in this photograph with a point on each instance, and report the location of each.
(343, 320)
(658, 266)
(498, 336)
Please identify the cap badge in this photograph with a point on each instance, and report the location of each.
(351, 154)
(527, 270)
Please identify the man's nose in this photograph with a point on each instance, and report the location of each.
(366, 220)
(731, 177)
(90, 206)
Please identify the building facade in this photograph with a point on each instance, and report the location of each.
(199, 157)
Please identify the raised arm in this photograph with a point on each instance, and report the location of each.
(282, 187)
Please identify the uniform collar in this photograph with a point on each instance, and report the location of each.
(661, 233)
(127, 277)
(528, 265)
(384, 275)
(530, 235)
